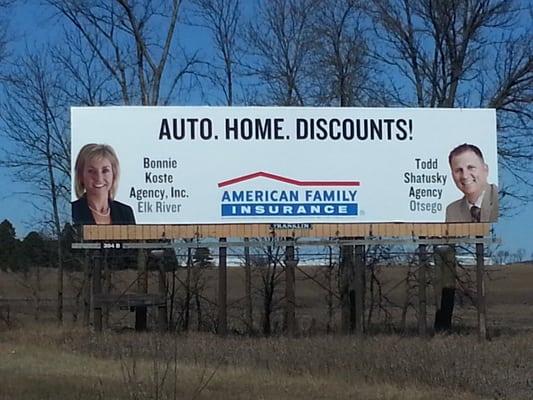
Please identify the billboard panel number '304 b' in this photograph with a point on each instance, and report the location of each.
(205, 165)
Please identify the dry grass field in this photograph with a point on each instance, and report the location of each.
(39, 360)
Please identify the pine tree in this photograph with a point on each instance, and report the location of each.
(8, 246)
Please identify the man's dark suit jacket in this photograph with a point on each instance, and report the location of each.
(459, 210)
(121, 214)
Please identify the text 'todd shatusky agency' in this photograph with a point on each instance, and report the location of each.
(426, 185)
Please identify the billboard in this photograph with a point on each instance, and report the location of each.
(223, 165)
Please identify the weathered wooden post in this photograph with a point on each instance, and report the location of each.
(422, 290)
(445, 261)
(222, 289)
(359, 286)
(142, 288)
(347, 292)
(290, 295)
(97, 292)
(162, 312)
(106, 288)
(481, 304)
(87, 275)
(248, 287)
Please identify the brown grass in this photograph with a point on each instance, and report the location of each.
(41, 361)
(47, 362)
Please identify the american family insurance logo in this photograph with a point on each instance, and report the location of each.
(299, 199)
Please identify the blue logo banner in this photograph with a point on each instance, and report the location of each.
(289, 209)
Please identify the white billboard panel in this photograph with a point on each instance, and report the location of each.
(196, 165)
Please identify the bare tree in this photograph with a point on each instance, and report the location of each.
(279, 45)
(33, 114)
(436, 45)
(342, 69)
(520, 254)
(194, 286)
(3, 32)
(509, 89)
(267, 261)
(462, 53)
(136, 43)
(500, 257)
(222, 18)
(87, 81)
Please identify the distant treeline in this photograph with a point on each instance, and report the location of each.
(35, 249)
(38, 249)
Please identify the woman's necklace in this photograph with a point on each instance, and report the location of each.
(104, 214)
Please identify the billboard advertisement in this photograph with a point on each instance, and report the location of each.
(223, 165)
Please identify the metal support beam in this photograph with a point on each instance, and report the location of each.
(300, 243)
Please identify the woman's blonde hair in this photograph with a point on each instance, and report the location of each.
(90, 152)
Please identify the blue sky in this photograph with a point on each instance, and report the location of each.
(30, 27)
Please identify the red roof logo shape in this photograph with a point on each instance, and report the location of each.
(285, 180)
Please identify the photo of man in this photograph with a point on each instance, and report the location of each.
(470, 172)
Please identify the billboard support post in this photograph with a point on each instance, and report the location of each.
(86, 289)
(360, 278)
(162, 308)
(290, 295)
(97, 292)
(142, 288)
(106, 287)
(347, 301)
(248, 287)
(222, 289)
(422, 290)
(481, 304)
(446, 262)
